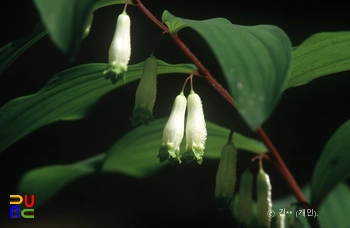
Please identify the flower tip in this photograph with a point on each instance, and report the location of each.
(222, 202)
(111, 74)
(166, 153)
(141, 115)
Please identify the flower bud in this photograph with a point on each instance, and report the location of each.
(264, 203)
(283, 221)
(174, 131)
(146, 93)
(120, 49)
(196, 132)
(226, 176)
(245, 201)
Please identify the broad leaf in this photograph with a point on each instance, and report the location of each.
(255, 61)
(335, 209)
(320, 55)
(136, 152)
(45, 182)
(12, 50)
(67, 96)
(333, 165)
(66, 22)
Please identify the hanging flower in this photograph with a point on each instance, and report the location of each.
(174, 131)
(245, 200)
(226, 176)
(120, 49)
(196, 132)
(146, 93)
(264, 203)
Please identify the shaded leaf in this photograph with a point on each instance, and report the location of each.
(45, 182)
(333, 165)
(67, 96)
(255, 61)
(103, 3)
(136, 152)
(335, 209)
(66, 22)
(13, 50)
(320, 55)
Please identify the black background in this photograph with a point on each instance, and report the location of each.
(177, 196)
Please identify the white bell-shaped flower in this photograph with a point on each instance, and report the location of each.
(174, 131)
(196, 131)
(120, 49)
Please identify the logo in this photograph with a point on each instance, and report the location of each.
(16, 212)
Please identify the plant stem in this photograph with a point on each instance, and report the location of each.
(281, 166)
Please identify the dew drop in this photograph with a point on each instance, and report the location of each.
(232, 70)
(239, 85)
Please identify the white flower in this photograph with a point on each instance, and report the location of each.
(196, 132)
(120, 49)
(146, 93)
(174, 131)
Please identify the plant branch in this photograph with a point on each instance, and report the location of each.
(281, 166)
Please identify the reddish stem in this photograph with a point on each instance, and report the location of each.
(281, 166)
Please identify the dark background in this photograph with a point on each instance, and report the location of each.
(177, 196)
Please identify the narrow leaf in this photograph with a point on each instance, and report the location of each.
(67, 96)
(13, 50)
(45, 182)
(333, 165)
(136, 152)
(319, 55)
(255, 61)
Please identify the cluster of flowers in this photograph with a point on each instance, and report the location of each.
(196, 132)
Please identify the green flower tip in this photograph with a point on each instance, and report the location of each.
(222, 202)
(167, 152)
(141, 115)
(115, 74)
(194, 153)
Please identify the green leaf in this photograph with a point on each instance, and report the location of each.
(66, 22)
(12, 50)
(333, 165)
(334, 211)
(136, 152)
(67, 96)
(320, 55)
(45, 182)
(103, 3)
(255, 61)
